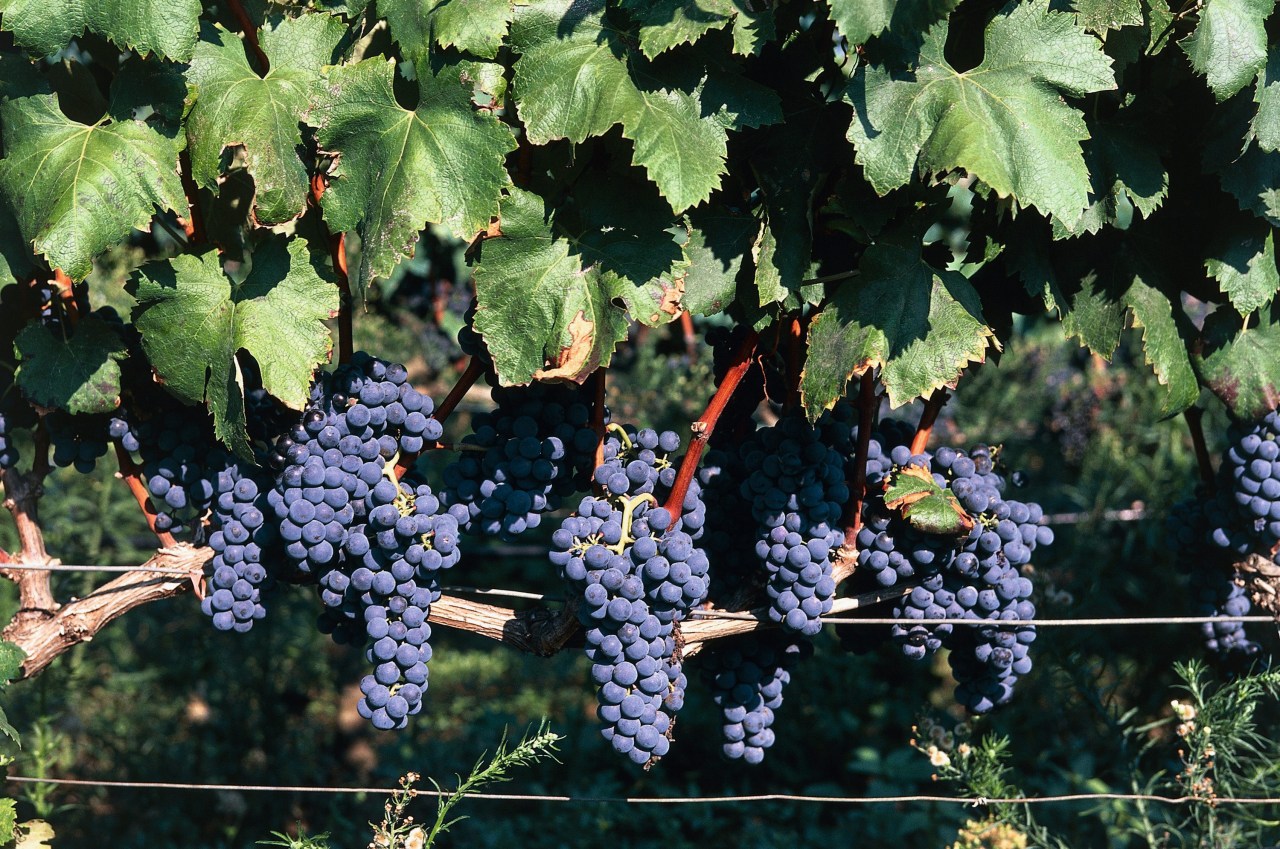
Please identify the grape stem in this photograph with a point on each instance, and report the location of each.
(706, 424)
(1195, 424)
(465, 381)
(628, 514)
(928, 418)
(338, 253)
(132, 476)
(690, 338)
(65, 291)
(250, 36)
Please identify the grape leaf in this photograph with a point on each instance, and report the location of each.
(79, 189)
(8, 807)
(1241, 365)
(143, 89)
(1248, 173)
(1266, 123)
(1124, 168)
(719, 241)
(928, 507)
(20, 78)
(79, 373)
(1099, 16)
(11, 657)
(920, 325)
(475, 26)
(541, 313)
(236, 107)
(1245, 267)
(1229, 44)
(193, 319)
(860, 20)
(166, 27)
(16, 260)
(399, 169)
(1163, 346)
(1004, 121)
(573, 80)
(665, 24)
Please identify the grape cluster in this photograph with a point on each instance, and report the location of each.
(1253, 464)
(1207, 534)
(77, 441)
(239, 576)
(8, 450)
(360, 417)
(797, 490)
(521, 459)
(632, 649)
(746, 680)
(388, 583)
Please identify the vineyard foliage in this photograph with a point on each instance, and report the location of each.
(619, 163)
(863, 199)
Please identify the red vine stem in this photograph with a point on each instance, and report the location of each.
(690, 337)
(597, 415)
(703, 427)
(132, 477)
(1195, 424)
(932, 407)
(338, 252)
(466, 380)
(193, 224)
(858, 486)
(64, 290)
(250, 31)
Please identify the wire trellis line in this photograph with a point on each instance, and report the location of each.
(660, 800)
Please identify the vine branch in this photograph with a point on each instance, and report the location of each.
(338, 254)
(858, 486)
(193, 224)
(250, 31)
(1195, 424)
(132, 476)
(706, 424)
(928, 418)
(468, 378)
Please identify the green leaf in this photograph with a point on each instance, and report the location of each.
(1240, 361)
(235, 107)
(1125, 170)
(1248, 173)
(665, 24)
(166, 27)
(1245, 267)
(193, 319)
(8, 819)
(920, 325)
(573, 80)
(1099, 16)
(474, 26)
(860, 20)
(142, 89)
(927, 506)
(1229, 45)
(1163, 346)
(719, 242)
(80, 374)
(1004, 122)
(11, 657)
(1266, 123)
(541, 313)
(399, 169)
(79, 189)
(16, 260)
(19, 78)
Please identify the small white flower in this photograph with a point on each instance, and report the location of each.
(964, 750)
(415, 840)
(1185, 729)
(937, 757)
(1184, 712)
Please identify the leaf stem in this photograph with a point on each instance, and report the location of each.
(193, 224)
(928, 418)
(132, 476)
(250, 31)
(690, 337)
(706, 424)
(1195, 424)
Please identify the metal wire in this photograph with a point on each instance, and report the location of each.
(666, 800)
